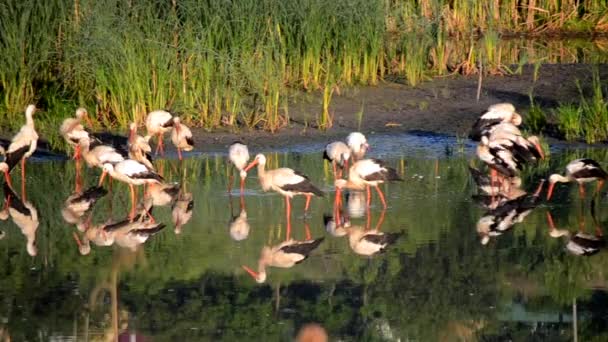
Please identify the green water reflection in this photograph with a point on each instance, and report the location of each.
(437, 282)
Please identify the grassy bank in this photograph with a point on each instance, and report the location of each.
(237, 63)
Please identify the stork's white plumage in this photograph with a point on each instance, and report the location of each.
(73, 131)
(158, 123)
(139, 148)
(133, 173)
(496, 114)
(358, 144)
(284, 255)
(238, 154)
(181, 136)
(365, 173)
(582, 171)
(338, 154)
(22, 146)
(285, 181)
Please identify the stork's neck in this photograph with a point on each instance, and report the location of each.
(261, 170)
(29, 120)
(556, 177)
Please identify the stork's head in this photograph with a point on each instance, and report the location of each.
(259, 277)
(30, 110)
(259, 159)
(357, 142)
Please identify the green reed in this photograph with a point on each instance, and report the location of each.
(234, 63)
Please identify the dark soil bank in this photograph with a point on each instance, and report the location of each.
(442, 105)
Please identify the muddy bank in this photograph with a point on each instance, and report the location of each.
(445, 105)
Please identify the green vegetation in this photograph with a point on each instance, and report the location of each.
(586, 120)
(236, 63)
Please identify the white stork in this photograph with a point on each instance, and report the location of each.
(72, 130)
(582, 171)
(238, 154)
(133, 173)
(358, 144)
(158, 123)
(365, 173)
(285, 181)
(369, 242)
(22, 146)
(338, 154)
(496, 114)
(284, 255)
(139, 148)
(99, 155)
(181, 136)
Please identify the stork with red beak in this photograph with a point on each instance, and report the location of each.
(582, 171)
(181, 136)
(73, 131)
(358, 145)
(22, 146)
(158, 123)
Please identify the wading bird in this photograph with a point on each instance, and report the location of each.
(365, 173)
(182, 210)
(496, 114)
(338, 154)
(284, 255)
(358, 145)
(99, 155)
(582, 171)
(133, 173)
(73, 131)
(238, 154)
(158, 123)
(285, 181)
(22, 146)
(181, 136)
(581, 243)
(139, 148)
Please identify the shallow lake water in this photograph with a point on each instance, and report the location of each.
(436, 282)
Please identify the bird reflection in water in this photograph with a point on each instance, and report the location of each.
(284, 255)
(24, 215)
(355, 203)
(79, 203)
(182, 210)
(497, 221)
(581, 243)
(239, 225)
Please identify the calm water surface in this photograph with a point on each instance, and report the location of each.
(437, 282)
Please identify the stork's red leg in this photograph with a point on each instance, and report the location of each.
(77, 152)
(242, 185)
(307, 203)
(179, 153)
(600, 184)
(307, 230)
(288, 216)
(381, 196)
(132, 213)
(103, 176)
(369, 196)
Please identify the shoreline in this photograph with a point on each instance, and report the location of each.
(444, 106)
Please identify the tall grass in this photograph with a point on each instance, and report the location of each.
(234, 63)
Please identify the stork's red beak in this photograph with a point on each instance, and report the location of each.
(252, 164)
(550, 221)
(550, 191)
(540, 151)
(251, 272)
